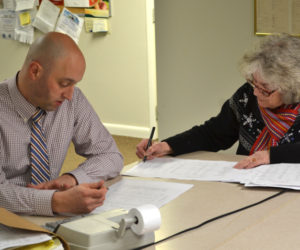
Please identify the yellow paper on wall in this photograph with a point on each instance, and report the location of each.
(24, 18)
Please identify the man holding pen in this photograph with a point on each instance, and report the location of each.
(42, 112)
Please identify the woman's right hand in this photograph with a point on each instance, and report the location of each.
(158, 149)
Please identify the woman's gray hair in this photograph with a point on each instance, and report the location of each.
(277, 61)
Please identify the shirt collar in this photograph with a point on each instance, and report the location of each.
(22, 106)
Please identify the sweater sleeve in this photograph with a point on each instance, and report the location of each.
(217, 133)
(287, 153)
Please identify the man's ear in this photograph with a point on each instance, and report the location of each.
(35, 70)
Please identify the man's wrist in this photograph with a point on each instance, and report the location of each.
(72, 178)
(56, 202)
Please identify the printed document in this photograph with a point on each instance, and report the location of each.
(46, 17)
(70, 24)
(129, 193)
(272, 175)
(8, 23)
(189, 170)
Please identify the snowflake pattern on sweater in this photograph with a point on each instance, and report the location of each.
(245, 107)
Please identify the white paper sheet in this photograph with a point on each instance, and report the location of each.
(70, 24)
(24, 4)
(190, 170)
(11, 237)
(9, 4)
(273, 175)
(96, 24)
(279, 175)
(46, 16)
(129, 193)
(24, 32)
(8, 23)
(77, 3)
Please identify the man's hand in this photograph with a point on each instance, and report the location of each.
(156, 150)
(63, 182)
(80, 199)
(258, 158)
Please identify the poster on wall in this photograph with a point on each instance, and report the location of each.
(98, 8)
(56, 2)
(70, 24)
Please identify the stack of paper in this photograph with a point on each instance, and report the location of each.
(14, 238)
(19, 233)
(275, 175)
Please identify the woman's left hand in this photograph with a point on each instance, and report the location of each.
(252, 161)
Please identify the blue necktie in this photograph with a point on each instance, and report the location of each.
(40, 171)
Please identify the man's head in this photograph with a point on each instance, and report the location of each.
(53, 65)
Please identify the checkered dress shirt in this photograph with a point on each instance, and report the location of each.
(75, 121)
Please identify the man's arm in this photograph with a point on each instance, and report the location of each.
(92, 140)
(25, 200)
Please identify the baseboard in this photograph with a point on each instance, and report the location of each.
(132, 131)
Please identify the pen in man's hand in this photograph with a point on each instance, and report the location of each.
(149, 142)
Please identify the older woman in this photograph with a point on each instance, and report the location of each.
(263, 114)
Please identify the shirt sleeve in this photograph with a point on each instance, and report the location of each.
(92, 140)
(219, 132)
(20, 199)
(25, 200)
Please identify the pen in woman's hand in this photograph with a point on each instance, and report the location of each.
(149, 142)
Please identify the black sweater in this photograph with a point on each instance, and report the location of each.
(239, 119)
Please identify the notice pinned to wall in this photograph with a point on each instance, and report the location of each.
(24, 31)
(96, 24)
(7, 23)
(77, 3)
(102, 8)
(17, 25)
(69, 23)
(24, 5)
(19, 18)
(46, 17)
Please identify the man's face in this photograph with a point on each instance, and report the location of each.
(56, 84)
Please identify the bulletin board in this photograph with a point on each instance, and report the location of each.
(277, 16)
(20, 18)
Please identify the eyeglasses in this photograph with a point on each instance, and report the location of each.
(264, 92)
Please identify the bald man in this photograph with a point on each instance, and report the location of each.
(46, 81)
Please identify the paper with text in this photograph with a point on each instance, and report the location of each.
(280, 175)
(70, 24)
(272, 175)
(8, 23)
(129, 193)
(24, 4)
(183, 169)
(46, 17)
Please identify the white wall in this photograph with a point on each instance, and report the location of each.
(119, 81)
(199, 44)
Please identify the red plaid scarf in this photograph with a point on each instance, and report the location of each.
(277, 124)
